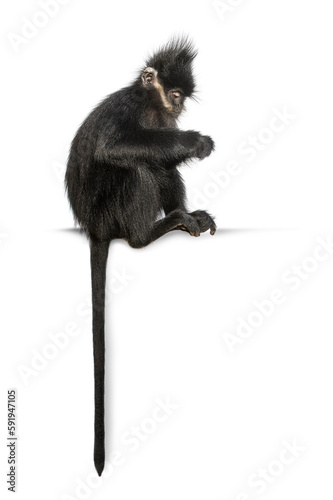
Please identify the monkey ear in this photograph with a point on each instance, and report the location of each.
(149, 77)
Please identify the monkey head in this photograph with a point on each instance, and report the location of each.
(168, 74)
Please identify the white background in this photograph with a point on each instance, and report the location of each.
(171, 304)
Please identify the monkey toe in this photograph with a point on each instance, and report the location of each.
(193, 226)
(213, 229)
(189, 224)
(192, 229)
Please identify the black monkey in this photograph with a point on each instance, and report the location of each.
(122, 171)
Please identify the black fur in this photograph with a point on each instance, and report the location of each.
(122, 171)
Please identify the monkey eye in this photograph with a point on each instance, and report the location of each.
(176, 94)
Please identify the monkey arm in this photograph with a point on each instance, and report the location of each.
(168, 147)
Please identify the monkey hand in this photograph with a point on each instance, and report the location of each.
(204, 147)
(204, 221)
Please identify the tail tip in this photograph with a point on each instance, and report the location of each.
(99, 466)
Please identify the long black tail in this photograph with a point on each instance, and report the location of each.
(98, 261)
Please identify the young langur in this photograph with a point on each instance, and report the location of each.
(122, 171)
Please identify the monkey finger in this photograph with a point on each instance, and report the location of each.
(213, 229)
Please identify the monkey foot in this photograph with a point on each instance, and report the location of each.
(204, 221)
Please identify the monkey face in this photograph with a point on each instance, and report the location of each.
(171, 99)
(176, 97)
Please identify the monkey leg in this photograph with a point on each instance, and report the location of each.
(173, 197)
(173, 193)
(174, 220)
(204, 220)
